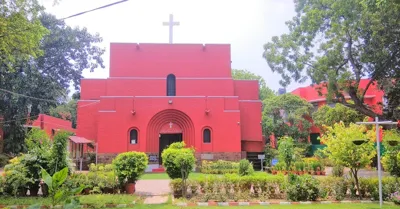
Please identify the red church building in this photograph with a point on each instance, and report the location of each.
(157, 94)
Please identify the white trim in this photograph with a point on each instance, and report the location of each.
(231, 110)
(249, 100)
(116, 96)
(107, 111)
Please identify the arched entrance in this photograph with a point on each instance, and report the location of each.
(166, 127)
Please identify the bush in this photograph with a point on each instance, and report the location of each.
(245, 168)
(129, 166)
(302, 188)
(286, 151)
(219, 167)
(3, 160)
(59, 158)
(338, 170)
(177, 159)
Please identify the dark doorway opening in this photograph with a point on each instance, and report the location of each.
(166, 140)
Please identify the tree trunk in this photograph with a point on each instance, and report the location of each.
(355, 174)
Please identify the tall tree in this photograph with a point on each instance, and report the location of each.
(337, 43)
(20, 32)
(287, 115)
(67, 52)
(265, 92)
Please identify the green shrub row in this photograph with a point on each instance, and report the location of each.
(232, 187)
(219, 167)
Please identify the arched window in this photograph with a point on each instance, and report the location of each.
(133, 136)
(171, 86)
(206, 136)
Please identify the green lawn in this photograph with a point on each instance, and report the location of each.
(321, 206)
(95, 200)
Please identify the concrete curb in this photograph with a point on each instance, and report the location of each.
(270, 203)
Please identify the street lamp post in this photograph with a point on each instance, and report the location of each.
(377, 123)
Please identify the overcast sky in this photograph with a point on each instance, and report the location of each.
(245, 24)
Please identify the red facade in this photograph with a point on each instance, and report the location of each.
(205, 108)
(373, 98)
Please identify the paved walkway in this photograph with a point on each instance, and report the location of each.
(155, 191)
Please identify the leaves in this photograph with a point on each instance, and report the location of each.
(47, 178)
(327, 116)
(287, 115)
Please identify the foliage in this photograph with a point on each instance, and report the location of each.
(66, 53)
(342, 151)
(302, 188)
(338, 170)
(265, 92)
(176, 158)
(219, 167)
(336, 43)
(20, 32)
(38, 155)
(245, 167)
(3, 160)
(59, 154)
(327, 116)
(270, 153)
(57, 193)
(286, 151)
(286, 115)
(16, 180)
(129, 166)
(390, 159)
(66, 111)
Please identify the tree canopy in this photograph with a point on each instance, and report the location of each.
(337, 43)
(287, 114)
(327, 116)
(265, 92)
(40, 83)
(20, 32)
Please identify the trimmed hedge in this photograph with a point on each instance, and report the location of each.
(219, 167)
(262, 187)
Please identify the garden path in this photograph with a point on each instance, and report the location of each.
(155, 191)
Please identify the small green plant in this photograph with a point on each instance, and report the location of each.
(245, 168)
(286, 151)
(338, 170)
(59, 157)
(59, 194)
(129, 166)
(178, 160)
(302, 188)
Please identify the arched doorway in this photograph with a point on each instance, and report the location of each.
(166, 127)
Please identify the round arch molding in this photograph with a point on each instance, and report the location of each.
(163, 117)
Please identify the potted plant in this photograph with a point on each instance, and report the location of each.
(129, 166)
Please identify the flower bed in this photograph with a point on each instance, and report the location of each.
(263, 187)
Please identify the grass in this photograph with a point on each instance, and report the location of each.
(95, 200)
(331, 206)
